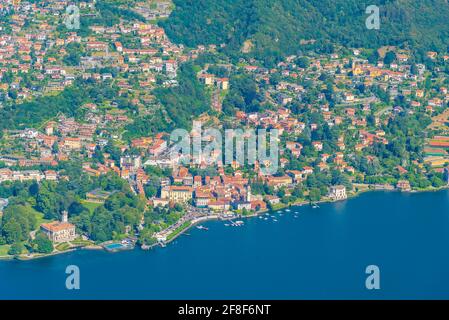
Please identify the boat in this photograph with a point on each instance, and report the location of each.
(227, 224)
(287, 210)
(265, 218)
(275, 220)
(239, 223)
(202, 228)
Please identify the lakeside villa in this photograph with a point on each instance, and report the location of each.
(338, 192)
(60, 231)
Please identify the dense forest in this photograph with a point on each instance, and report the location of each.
(180, 103)
(271, 29)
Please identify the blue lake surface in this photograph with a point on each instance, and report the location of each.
(316, 254)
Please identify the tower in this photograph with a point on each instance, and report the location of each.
(65, 216)
(248, 194)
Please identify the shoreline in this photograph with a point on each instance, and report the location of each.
(200, 220)
(300, 203)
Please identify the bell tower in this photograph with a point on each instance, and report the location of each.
(65, 216)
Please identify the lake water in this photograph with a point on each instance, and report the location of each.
(316, 254)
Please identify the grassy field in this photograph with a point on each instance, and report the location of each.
(63, 246)
(40, 218)
(178, 230)
(81, 242)
(90, 205)
(278, 206)
(4, 249)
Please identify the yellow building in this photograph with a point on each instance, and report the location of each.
(356, 70)
(177, 194)
(72, 143)
(436, 161)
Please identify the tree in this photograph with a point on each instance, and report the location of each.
(76, 209)
(12, 231)
(152, 187)
(315, 194)
(146, 237)
(16, 249)
(17, 222)
(389, 57)
(43, 244)
(298, 192)
(303, 62)
(374, 57)
(55, 148)
(277, 28)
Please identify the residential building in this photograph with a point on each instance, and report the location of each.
(338, 192)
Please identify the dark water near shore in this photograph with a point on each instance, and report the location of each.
(319, 254)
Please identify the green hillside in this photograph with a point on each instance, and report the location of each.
(276, 27)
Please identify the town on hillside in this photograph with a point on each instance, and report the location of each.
(86, 157)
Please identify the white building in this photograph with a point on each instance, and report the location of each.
(60, 231)
(338, 192)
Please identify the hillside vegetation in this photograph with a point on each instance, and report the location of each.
(275, 28)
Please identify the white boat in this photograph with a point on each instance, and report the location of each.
(202, 228)
(288, 210)
(275, 220)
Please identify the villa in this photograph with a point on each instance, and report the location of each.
(177, 193)
(59, 231)
(338, 192)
